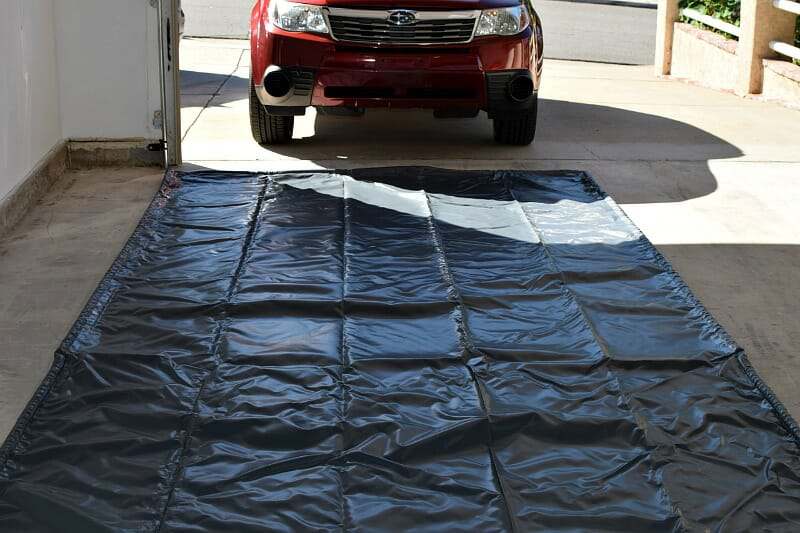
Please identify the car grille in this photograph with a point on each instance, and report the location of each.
(378, 30)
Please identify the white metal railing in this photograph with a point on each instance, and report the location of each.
(786, 49)
(715, 23)
(787, 5)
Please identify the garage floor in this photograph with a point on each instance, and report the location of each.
(712, 179)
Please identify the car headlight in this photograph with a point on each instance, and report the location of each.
(291, 16)
(503, 21)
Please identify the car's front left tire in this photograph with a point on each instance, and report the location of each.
(268, 129)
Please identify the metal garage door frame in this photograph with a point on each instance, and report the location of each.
(169, 54)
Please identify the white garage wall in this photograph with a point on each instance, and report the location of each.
(108, 68)
(30, 122)
(75, 70)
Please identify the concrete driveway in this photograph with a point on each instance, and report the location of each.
(712, 180)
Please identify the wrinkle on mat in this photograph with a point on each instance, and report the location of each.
(392, 349)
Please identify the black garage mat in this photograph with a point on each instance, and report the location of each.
(397, 349)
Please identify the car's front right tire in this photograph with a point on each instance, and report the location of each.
(519, 130)
(268, 129)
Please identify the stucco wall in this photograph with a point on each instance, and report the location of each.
(704, 57)
(30, 121)
(782, 82)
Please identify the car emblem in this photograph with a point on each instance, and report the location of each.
(401, 17)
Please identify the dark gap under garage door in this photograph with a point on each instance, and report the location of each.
(397, 349)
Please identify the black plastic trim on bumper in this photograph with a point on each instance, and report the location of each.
(498, 101)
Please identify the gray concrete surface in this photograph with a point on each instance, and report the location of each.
(217, 18)
(598, 32)
(593, 31)
(651, 4)
(50, 264)
(713, 180)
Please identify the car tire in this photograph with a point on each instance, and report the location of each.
(268, 129)
(518, 131)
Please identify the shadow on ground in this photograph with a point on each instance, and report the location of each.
(221, 89)
(567, 131)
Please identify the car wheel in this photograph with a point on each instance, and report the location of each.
(268, 129)
(519, 130)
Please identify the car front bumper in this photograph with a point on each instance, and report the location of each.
(327, 73)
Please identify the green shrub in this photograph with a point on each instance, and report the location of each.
(727, 10)
(797, 38)
(797, 33)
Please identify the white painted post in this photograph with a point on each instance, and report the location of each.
(666, 18)
(761, 23)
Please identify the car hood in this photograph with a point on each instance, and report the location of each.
(420, 4)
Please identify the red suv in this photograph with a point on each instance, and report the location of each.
(456, 57)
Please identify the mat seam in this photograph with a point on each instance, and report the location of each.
(344, 359)
(467, 344)
(782, 414)
(224, 319)
(673, 508)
